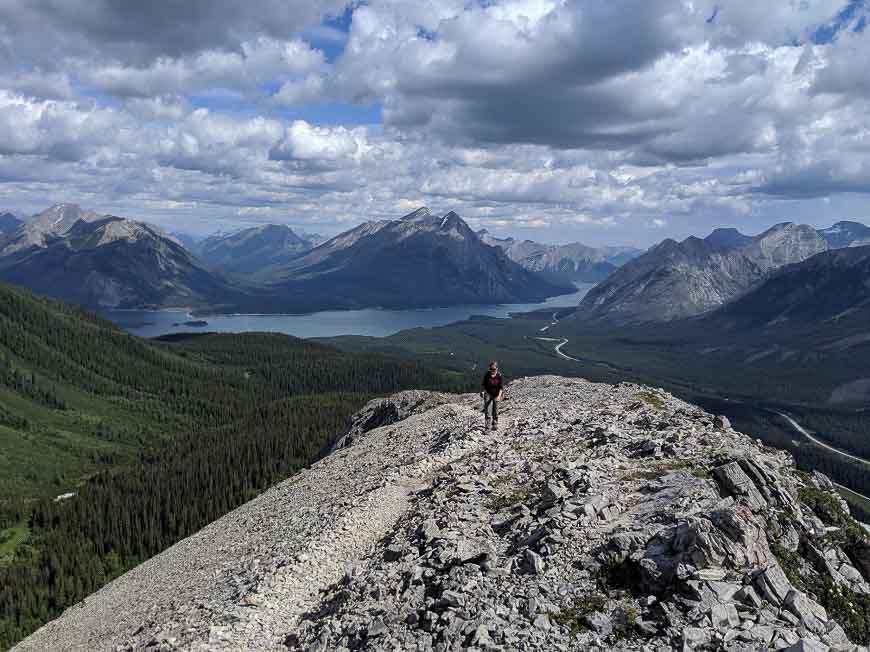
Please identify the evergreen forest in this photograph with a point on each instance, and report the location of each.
(114, 447)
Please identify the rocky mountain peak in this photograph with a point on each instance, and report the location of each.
(110, 261)
(9, 224)
(111, 229)
(60, 218)
(784, 244)
(727, 238)
(421, 213)
(598, 517)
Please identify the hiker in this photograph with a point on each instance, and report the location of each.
(491, 392)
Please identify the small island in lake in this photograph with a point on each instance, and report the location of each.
(198, 323)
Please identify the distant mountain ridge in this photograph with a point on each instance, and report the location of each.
(109, 262)
(681, 279)
(420, 260)
(253, 250)
(846, 234)
(568, 263)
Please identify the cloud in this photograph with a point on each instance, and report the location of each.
(139, 32)
(38, 84)
(574, 115)
(303, 141)
(819, 179)
(844, 68)
(59, 130)
(300, 91)
(257, 62)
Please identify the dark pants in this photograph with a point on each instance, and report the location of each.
(489, 400)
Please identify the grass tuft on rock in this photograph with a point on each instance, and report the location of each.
(650, 399)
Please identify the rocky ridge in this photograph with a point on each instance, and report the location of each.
(598, 517)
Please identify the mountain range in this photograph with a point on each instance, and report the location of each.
(567, 263)
(417, 261)
(674, 280)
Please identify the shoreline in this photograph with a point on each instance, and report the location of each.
(202, 313)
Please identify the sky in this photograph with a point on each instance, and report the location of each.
(554, 120)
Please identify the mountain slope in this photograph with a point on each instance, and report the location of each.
(606, 517)
(567, 263)
(682, 279)
(9, 224)
(832, 285)
(253, 250)
(419, 260)
(189, 241)
(113, 262)
(672, 280)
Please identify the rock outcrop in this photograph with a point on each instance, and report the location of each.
(598, 517)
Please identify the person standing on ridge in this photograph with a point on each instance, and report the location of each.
(492, 393)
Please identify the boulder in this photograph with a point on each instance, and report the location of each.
(695, 638)
(810, 613)
(773, 585)
(734, 482)
(807, 645)
(600, 622)
(724, 617)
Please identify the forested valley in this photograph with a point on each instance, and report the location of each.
(153, 439)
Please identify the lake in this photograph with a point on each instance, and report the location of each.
(331, 323)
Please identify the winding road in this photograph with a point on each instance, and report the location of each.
(561, 342)
(794, 424)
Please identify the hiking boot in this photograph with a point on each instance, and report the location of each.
(486, 427)
(495, 425)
